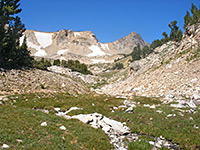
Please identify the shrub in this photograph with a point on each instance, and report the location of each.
(118, 66)
(56, 62)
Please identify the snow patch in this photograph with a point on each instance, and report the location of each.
(95, 61)
(21, 40)
(96, 51)
(76, 34)
(105, 46)
(62, 51)
(40, 52)
(44, 39)
(62, 58)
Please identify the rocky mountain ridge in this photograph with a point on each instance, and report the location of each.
(82, 45)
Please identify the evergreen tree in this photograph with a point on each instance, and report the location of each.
(146, 51)
(11, 30)
(136, 54)
(176, 33)
(56, 62)
(23, 55)
(187, 19)
(194, 11)
(155, 44)
(192, 19)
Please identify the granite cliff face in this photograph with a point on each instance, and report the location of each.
(84, 46)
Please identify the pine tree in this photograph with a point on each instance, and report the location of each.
(194, 11)
(11, 29)
(187, 19)
(176, 33)
(136, 54)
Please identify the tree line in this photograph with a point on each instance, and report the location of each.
(74, 65)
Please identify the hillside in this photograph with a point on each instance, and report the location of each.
(171, 71)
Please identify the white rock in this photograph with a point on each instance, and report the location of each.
(158, 145)
(63, 85)
(62, 128)
(170, 115)
(5, 146)
(129, 110)
(181, 114)
(151, 142)
(191, 118)
(194, 80)
(43, 124)
(146, 105)
(196, 96)
(152, 106)
(57, 109)
(178, 105)
(19, 141)
(169, 66)
(159, 111)
(73, 108)
(176, 73)
(191, 104)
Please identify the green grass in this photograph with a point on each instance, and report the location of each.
(24, 124)
(18, 120)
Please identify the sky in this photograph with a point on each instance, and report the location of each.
(109, 20)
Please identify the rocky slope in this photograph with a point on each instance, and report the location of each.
(84, 46)
(172, 71)
(57, 79)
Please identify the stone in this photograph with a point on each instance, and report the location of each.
(73, 108)
(129, 110)
(5, 146)
(62, 128)
(146, 105)
(151, 142)
(152, 106)
(159, 111)
(57, 109)
(196, 96)
(19, 140)
(43, 124)
(63, 85)
(191, 104)
(171, 115)
(43, 110)
(158, 145)
(194, 80)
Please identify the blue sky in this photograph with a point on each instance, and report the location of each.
(109, 20)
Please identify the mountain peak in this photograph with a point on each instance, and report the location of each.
(82, 45)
